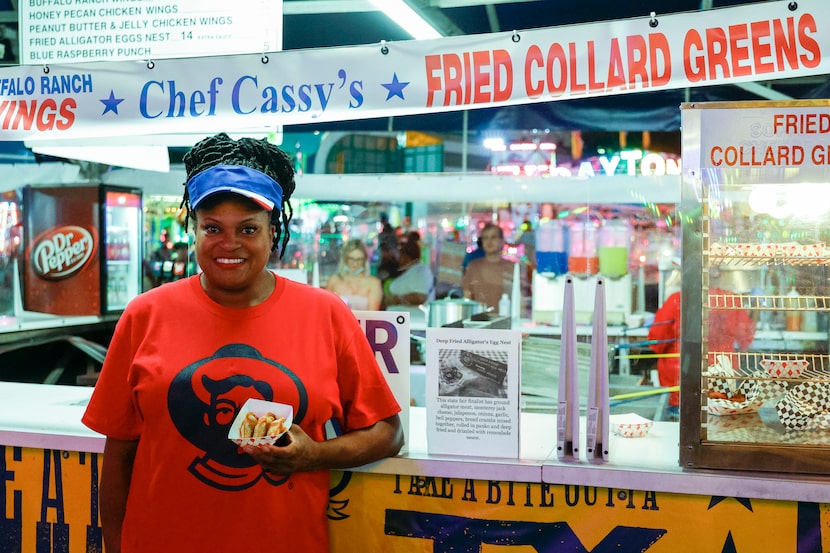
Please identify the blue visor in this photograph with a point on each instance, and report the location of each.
(254, 185)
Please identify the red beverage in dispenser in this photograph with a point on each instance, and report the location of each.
(583, 259)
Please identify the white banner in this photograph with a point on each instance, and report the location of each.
(741, 44)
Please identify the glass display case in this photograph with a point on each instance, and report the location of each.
(121, 277)
(755, 385)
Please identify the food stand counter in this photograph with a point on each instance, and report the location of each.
(640, 499)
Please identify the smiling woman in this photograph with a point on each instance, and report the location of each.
(166, 403)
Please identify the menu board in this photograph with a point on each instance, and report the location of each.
(74, 31)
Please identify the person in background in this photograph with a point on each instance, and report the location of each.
(487, 278)
(185, 357)
(388, 247)
(729, 330)
(389, 262)
(477, 253)
(664, 332)
(527, 238)
(415, 284)
(352, 282)
(182, 265)
(156, 263)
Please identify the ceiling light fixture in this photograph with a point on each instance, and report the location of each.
(408, 19)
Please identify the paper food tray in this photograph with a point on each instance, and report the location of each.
(630, 425)
(260, 407)
(727, 407)
(784, 368)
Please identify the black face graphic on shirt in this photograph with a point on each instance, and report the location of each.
(204, 399)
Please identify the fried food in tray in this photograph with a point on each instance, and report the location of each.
(260, 422)
(268, 424)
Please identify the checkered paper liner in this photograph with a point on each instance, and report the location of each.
(810, 435)
(820, 422)
(764, 389)
(722, 367)
(719, 386)
(746, 427)
(753, 391)
(749, 428)
(803, 403)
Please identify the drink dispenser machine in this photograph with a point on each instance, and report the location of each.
(583, 258)
(614, 244)
(552, 239)
(613, 251)
(585, 248)
(552, 247)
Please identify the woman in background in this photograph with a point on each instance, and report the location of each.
(352, 282)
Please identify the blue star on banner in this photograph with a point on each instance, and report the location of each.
(111, 103)
(395, 88)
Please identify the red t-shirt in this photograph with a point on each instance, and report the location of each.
(179, 369)
(666, 329)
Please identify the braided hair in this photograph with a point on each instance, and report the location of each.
(260, 155)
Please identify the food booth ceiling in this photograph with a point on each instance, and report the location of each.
(327, 23)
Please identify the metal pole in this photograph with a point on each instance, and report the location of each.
(464, 129)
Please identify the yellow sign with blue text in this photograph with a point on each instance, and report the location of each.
(50, 504)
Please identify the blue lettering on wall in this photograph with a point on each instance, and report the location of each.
(94, 535)
(52, 537)
(454, 534)
(11, 529)
(808, 528)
